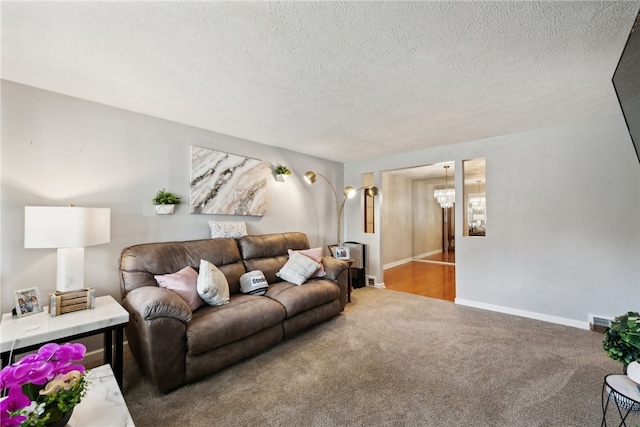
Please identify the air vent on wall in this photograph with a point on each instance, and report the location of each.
(599, 323)
(371, 280)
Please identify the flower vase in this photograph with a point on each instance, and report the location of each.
(62, 422)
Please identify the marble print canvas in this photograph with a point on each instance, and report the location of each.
(227, 184)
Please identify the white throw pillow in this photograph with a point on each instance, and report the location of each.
(253, 283)
(233, 230)
(316, 255)
(298, 269)
(212, 284)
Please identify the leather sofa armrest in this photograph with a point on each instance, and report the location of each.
(333, 267)
(153, 302)
(337, 270)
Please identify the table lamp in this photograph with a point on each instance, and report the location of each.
(69, 229)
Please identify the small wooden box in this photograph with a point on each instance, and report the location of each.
(67, 302)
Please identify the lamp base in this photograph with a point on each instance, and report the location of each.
(70, 275)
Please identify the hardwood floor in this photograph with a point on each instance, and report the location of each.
(431, 279)
(442, 257)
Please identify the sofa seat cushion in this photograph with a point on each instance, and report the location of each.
(214, 326)
(297, 299)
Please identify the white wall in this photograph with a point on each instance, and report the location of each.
(58, 150)
(563, 239)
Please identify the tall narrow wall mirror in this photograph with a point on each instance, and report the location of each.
(369, 220)
(475, 196)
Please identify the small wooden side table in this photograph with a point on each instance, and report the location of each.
(29, 333)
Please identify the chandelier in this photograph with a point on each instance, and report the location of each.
(478, 201)
(445, 196)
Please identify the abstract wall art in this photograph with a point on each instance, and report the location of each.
(227, 184)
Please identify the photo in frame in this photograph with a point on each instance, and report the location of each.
(341, 252)
(27, 302)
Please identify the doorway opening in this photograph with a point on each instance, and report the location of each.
(418, 231)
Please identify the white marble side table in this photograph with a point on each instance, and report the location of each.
(624, 394)
(103, 405)
(30, 332)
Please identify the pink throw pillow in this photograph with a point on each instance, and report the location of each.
(316, 255)
(183, 283)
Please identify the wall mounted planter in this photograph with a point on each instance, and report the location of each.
(165, 209)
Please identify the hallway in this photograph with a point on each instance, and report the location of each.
(432, 279)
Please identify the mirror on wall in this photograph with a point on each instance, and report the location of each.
(369, 220)
(475, 197)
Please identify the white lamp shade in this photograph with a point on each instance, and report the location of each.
(66, 227)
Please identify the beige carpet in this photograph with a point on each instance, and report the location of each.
(395, 359)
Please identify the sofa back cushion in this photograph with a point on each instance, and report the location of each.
(269, 252)
(139, 263)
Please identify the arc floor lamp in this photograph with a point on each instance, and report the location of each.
(348, 192)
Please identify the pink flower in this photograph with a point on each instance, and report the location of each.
(52, 366)
(52, 359)
(62, 353)
(47, 351)
(30, 372)
(6, 420)
(15, 401)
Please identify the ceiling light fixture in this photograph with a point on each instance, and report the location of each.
(478, 201)
(445, 196)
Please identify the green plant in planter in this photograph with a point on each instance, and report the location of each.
(622, 338)
(282, 170)
(163, 197)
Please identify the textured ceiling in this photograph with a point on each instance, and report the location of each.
(338, 80)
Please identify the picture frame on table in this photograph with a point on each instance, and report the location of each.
(27, 301)
(341, 252)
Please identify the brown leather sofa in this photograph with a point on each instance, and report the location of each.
(174, 345)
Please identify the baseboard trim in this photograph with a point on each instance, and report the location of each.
(414, 258)
(523, 313)
(428, 254)
(377, 286)
(397, 263)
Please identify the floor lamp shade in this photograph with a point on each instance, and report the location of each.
(68, 229)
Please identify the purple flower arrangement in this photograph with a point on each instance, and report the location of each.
(41, 388)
